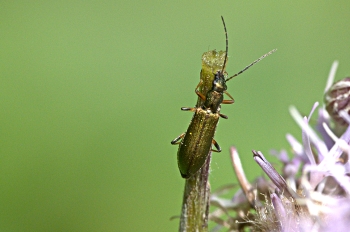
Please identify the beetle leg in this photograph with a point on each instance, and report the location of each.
(217, 146)
(199, 93)
(223, 116)
(176, 140)
(188, 109)
(228, 101)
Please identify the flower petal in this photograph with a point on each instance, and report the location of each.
(271, 172)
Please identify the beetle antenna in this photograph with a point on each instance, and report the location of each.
(256, 61)
(223, 67)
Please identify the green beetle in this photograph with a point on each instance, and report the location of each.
(196, 142)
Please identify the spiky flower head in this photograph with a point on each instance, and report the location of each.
(312, 191)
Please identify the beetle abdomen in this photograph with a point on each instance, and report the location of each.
(196, 144)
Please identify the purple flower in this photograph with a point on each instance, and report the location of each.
(312, 191)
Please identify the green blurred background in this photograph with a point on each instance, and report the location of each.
(91, 94)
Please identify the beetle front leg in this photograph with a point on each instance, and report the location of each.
(176, 140)
(199, 93)
(228, 101)
(217, 146)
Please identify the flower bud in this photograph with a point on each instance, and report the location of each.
(337, 98)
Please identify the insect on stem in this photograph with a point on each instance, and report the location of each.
(196, 143)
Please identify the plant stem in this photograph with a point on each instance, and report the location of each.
(195, 205)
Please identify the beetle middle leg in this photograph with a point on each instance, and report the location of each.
(188, 109)
(223, 116)
(217, 146)
(177, 139)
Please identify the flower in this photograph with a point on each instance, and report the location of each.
(312, 191)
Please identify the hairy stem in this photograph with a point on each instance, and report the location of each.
(195, 205)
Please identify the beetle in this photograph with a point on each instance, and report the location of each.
(197, 141)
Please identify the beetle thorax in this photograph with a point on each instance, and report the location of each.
(213, 101)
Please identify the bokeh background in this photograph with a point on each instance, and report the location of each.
(90, 97)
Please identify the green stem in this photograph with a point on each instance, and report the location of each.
(195, 205)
